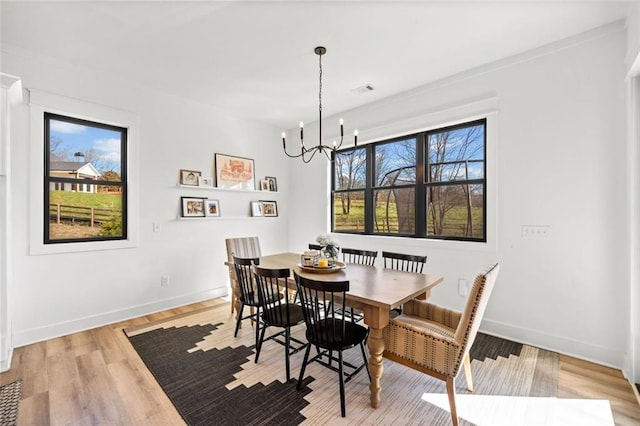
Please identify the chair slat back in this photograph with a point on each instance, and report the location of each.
(244, 247)
(315, 246)
(246, 281)
(404, 262)
(363, 257)
(324, 327)
(270, 283)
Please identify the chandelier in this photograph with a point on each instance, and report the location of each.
(308, 153)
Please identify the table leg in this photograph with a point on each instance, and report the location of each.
(375, 343)
(377, 319)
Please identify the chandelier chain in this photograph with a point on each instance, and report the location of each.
(320, 91)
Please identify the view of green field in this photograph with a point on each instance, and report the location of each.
(85, 199)
(75, 212)
(455, 220)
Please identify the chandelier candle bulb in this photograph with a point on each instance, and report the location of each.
(284, 144)
(341, 129)
(301, 135)
(355, 137)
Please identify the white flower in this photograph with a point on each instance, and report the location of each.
(329, 245)
(326, 240)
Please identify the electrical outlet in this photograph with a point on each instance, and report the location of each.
(463, 288)
(535, 232)
(157, 227)
(164, 280)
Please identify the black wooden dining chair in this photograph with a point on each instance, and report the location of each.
(277, 311)
(404, 262)
(330, 333)
(248, 292)
(315, 246)
(362, 257)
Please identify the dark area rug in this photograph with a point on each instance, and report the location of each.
(195, 382)
(9, 402)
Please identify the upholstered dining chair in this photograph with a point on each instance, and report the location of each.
(436, 340)
(277, 311)
(248, 292)
(245, 247)
(330, 333)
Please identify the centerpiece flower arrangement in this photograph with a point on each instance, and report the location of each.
(330, 246)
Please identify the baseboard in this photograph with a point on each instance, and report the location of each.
(34, 335)
(5, 358)
(589, 352)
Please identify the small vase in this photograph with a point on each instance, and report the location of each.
(331, 253)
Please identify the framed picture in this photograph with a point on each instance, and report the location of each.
(264, 185)
(212, 208)
(272, 183)
(205, 181)
(234, 172)
(192, 206)
(256, 208)
(269, 208)
(189, 177)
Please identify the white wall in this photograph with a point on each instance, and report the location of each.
(559, 153)
(60, 293)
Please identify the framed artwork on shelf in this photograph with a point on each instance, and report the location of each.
(264, 185)
(269, 208)
(234, 172)
(192, 206)
(272, 183)
(206, 182)
(212, 208)
(189, 177)
(256, 208)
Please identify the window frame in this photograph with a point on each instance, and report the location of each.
(48, 179)
(420, 186)
(41, 102)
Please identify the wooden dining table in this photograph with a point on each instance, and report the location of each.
(375, 291)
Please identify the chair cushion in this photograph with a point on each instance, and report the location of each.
(425, 326)
(329, 333)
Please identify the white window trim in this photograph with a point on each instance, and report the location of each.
(41, 102)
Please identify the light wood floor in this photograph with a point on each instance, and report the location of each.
(92, 377)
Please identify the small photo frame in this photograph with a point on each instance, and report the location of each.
(269, 208)
(189, 177)
(192, 206)
(212, 208)
(272, 183)
(264, 185)
(205, 181)
(256, 208)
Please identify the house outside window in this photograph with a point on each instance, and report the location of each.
(425, 185)
(85, 180)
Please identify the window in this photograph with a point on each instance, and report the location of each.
(426, 185)
(85, 188)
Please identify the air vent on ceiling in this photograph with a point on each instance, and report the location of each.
(363, 89)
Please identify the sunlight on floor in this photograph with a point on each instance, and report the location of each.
(489, 410)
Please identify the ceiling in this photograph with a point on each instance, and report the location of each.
(256, 59)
